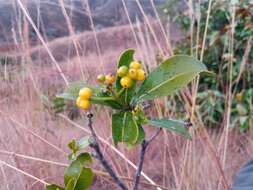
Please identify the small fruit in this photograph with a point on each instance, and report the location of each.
(110, 78)
(85, 93)
(85, 104)
(101, 78)
(126, 82)
(122, 71)
(141, 74)
(78, 101)
(132, 73)
(135, 65)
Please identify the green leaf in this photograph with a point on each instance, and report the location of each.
(54, 187)
(85, 159)
(85, 179)
(83, 142)
(173, 125)
(171, 75)
(124, 128)
(141, 137)
(72, 172)
(125, 59)
(78, 177)
(71, 184)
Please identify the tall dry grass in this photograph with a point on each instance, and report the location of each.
(33, 141)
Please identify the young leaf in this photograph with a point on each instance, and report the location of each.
(54, 187)
(173, 125)
(78, 177)
(85, 159)
(171, 75)
(126, 57)
(72, 172)
(124, 128)
(83, 142)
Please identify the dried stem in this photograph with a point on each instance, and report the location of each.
(95, 146)
(144, 146)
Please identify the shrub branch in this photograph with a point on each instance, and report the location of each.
(99, 155)
(144, 146)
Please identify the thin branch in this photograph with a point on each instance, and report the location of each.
(97, 172)
(120, 154)
(94, 145)
(144, 146)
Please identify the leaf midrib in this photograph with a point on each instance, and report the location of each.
(161, 84)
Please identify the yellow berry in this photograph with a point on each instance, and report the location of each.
(85, 104)
(135, 65)
(110, 78)
(78, 101)
(132, 73)
(126, 82)
(122, 71)
(101, 78)
(85, 93)
(141, 74)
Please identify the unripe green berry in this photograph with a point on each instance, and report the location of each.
(122, 71)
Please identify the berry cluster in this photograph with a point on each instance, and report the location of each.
(127, 77)
(83, 100)
(108, 79)
(135, 72)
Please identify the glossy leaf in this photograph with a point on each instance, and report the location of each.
(85, 159)
(124, 128)
(171, 75)
(77, 176)
(71, 184)
(85, 179)
(141, 137)
(125, 59)
(172, 125)
(72, 172)
(54, 187)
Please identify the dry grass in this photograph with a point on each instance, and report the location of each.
(28, 128)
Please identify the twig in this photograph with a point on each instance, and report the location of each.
(144, 146)
(94, 145)
(97, 172)
(112, 148)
